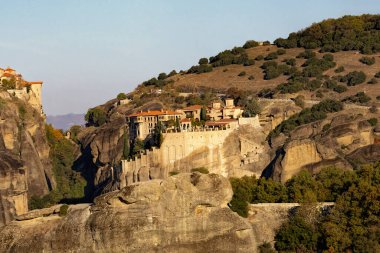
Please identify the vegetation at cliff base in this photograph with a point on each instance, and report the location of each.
(69, 184)
(353, 225)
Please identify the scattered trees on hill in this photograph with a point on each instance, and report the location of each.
(367, 60)
(358, 98)
(308, 115)
(333, 35)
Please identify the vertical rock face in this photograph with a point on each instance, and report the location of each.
(13, 188)
(184, 213)
(312, 147)
(24, 153)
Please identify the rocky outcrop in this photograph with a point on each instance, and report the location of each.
(24, 156)
(184, 213)
(320, 144)
(102, 148)
(13, 188)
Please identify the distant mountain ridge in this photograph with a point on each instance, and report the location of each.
(65, 121)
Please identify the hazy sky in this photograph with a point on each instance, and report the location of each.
(87, 52)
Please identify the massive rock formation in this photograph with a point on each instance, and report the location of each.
(320, 144)
(24, 156)
(184, 213)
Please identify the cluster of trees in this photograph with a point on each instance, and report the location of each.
(237, 55)
(353, 224)
(273, 70)
(314, 67)
(308, 115)
(360, 33)
(334, 86)
(326, 186)
(70, 184)
(8, 84)
(203, 67)
(358, 98)
(95, 117)
(353, 78)
(367, 60)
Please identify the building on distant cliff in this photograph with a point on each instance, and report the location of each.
(142, 124)
(30, 92)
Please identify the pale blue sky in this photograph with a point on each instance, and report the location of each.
(86, 52)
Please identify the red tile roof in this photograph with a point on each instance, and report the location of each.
(192, 108)
(153, 113)
(186, 120)
(36, 82)
(9, 69)
(7, 75)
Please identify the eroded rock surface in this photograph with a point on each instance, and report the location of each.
(330, 142)
(25, 168)
(184, 213)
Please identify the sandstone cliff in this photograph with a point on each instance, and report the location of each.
(320, 144)
(184, 213)
(24, 156)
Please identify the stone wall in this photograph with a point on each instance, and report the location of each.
(183, 151)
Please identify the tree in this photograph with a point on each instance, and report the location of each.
(203, 61)
(250, 44)
(96, 117)
(203, 114)
(121, 96)
(162, 76)
(126, 148)
(251, 107)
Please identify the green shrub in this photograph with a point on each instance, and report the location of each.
(63, 210)
(367, 60)
(281, 51)
(203, 61)
(354, 78)
(266, 247)
(328, 57)
(249, 62)
(259, 57)
(300, 101)
(372, 121)
(162, 76)
(307, 54)
(340, 69)
(202, 170)
(251, 77)
(172, 73)
(290, 62)
(271, 56)
(377, 75)
(250, 44)
(242, 73)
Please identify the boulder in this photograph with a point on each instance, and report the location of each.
(184, 213)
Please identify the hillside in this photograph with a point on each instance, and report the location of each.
(276, 81)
